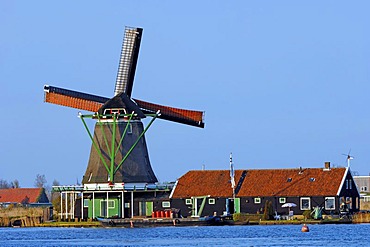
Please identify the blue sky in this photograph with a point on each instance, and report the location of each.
(283, 83)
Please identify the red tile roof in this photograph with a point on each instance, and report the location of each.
(20, 195)
(274, 182)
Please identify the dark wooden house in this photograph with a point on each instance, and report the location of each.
(209, 192)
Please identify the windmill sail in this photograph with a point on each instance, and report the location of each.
(128, 61)
(93, 103)
(73, 99)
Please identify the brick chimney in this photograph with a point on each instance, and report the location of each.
(327, 166)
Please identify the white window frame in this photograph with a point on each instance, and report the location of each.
(86, 202)
(282, 200)
(188, 202)
(326, 206)
(257, 200)
(309, 203)
(211, 201)
(166, 204)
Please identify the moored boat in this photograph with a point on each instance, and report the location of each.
(154, 222)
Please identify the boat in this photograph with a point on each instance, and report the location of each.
(155, 222)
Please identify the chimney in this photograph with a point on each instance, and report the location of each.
(327, 166)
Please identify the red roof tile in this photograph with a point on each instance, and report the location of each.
(274, 182)
(20, 195)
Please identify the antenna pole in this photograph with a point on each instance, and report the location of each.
(232, 174)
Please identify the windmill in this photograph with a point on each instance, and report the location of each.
(119, 152)
(349, 158)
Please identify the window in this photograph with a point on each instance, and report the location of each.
(363, 188)
(129, 129)
(349, 202)
(127, 205)
(86, 203)
(257, 200)
(166, 204)
(111, 203)
(188, 202)
(350, 184)
(312, 179)
(289, 180)
(329, 203)
(347, 184)
(211, 201)
(282, 200)
(305, 203)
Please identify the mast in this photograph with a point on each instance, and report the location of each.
(232, 174)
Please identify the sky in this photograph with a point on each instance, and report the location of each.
(284, 84)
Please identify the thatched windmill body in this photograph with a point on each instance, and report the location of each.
(119, 153)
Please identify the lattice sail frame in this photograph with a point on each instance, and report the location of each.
(92, 103)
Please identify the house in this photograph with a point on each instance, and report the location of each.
(23, 196)
(119, 200)
(363, 185)
(209, 192)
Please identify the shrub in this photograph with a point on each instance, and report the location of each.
(243, 217)
(307, 214)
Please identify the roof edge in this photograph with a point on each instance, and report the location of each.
(342, 182)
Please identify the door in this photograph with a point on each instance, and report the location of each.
(237, 205)
(103, 208)
(230, 206)
(149, 208)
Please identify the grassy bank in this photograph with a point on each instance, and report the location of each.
(70, 224)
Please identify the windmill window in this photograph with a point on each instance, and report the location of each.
(289, 180)
(129, 129)
(350, 184)
(188, 202)
(211, 201)
(347, 184)
(257, 200)
(166, 204)
(312, 179)
(282, 200)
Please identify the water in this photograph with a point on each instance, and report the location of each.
(275, 235)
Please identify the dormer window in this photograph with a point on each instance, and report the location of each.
(289, 180)
(312, 179)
